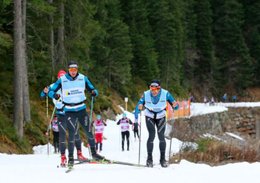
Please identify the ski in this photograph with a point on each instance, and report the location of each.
(126, 163)
(106, 161)
(78, 162)
(70, 168)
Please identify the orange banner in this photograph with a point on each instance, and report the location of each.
(183, 111)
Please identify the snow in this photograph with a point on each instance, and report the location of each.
(41, 167)
(235, 136)
(201, 108)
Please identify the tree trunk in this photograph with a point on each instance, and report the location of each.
(18, 71)
(61, 49)
(52, 44)
(26, 98)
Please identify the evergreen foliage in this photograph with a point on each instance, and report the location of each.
(235, 63)
(204, 41)
(182, 43)
(164, 19)
(207, 45)
(252, 34)
(144, 62)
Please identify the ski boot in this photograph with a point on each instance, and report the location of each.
(163, 163)
(80, 156)
(98, 157)
(100, 147)
(63, 160)
(149, 163)
(70, 162)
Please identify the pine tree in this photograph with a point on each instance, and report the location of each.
(204, 42)
(81, 29)
(164, 18)
(252, 34)
(144, 62)
(234, 63)
(112, 48)
(191, 52)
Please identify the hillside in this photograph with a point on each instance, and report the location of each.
(34, 131)
(106, 104)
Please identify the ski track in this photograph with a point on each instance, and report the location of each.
(42, 168)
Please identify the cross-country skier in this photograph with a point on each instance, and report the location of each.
(73, 86)
(54, 126)
(154, 101)
(135, 129)
(99, 126)
(63, 124)
(124, 123)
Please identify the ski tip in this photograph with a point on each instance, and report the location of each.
(69, 169)
(150, 166)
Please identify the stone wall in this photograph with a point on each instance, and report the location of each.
(240, 121)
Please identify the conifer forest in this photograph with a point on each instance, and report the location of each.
(192, 46)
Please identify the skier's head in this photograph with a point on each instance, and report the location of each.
(155, 86)
(72, 64)
(73, 68)
(155, 83)
(98, 117)
(124, 115)
(61, 73)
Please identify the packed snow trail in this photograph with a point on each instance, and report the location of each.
(41, 168)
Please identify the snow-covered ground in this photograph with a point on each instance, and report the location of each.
(41, 168)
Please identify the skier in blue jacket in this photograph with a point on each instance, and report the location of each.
(73, 86)
(154, 101)
(62, 124)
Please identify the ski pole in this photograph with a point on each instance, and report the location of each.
(140, 138)
(47, 107)
(89, 151)
(90, 115)
(48, 129)
(170, 148)
(120, 137)
(171, 135)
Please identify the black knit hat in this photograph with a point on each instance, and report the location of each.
(72, 64)
(155, 82)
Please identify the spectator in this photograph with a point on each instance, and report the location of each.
(212, 101)
(225, 98)
(234, 98)
(192, 98)
(205, 100)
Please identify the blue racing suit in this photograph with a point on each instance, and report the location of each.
(155, 111)
(73, 98)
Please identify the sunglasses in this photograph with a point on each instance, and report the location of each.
(73, 69)
(154, 88)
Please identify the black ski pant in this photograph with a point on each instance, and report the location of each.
(56, 141)
(62, 134)
(136, 133)
(70, 123)
(100, 146)
(125, 135)
(151, 124)
(83, 119)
